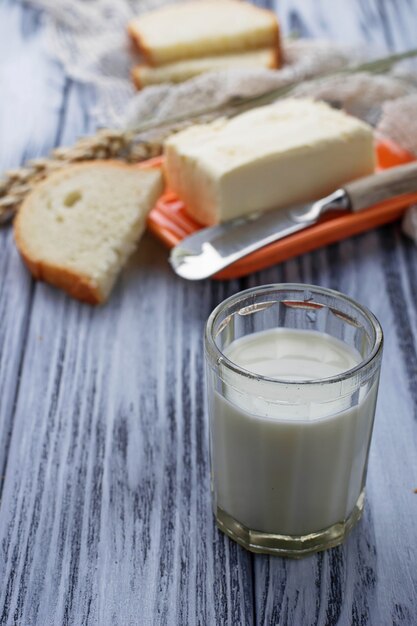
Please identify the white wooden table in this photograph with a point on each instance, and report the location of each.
(105, 513)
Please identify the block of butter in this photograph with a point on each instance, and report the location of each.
(294, 150)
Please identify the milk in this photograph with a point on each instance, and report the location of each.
(293, 464)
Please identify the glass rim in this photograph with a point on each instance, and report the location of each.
(224, 360)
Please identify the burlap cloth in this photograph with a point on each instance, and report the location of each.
(90, 40)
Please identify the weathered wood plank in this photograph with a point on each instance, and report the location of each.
(106, 510)
(35, 94)
(376, 23)
(372, 578)
(28, 126)
(107, 515)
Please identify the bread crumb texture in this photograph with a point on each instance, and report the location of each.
(77, 228)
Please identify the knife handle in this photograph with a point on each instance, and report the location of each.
(396, 181)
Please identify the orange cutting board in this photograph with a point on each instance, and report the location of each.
(170, 222)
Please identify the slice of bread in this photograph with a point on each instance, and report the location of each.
(77, 228)
(201, 28)
(144, 75)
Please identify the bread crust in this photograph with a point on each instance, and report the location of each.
(274, 60)
(137, 39)
(135, 76)
(77, 285)
(277, 46)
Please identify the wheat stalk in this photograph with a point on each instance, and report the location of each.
(105, 144)
(131, 146)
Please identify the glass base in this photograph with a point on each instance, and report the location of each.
(293, 546)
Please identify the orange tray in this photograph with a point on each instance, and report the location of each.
(169, 221)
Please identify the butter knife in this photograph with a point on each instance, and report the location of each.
(210, 250)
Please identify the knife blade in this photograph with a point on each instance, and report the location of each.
(212, 249)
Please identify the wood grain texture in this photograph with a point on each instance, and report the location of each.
(119, 520)
(15, 285)
(105, 515)
(372, 578)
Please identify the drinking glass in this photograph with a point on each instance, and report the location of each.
(289, 457)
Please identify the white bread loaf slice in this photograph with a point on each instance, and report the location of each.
(294, 150)
(200, 28)
(77, 228)
(144, 75)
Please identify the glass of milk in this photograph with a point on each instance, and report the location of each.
(292, 373)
